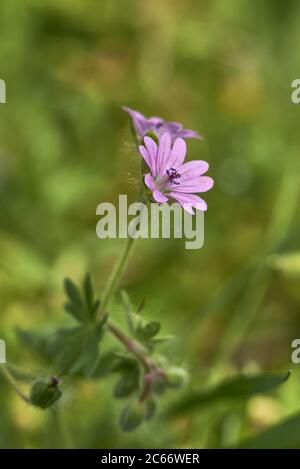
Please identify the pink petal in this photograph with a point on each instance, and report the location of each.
(187, 201)
(152, 151)
(164, 150)
(138, 120)
(159, 196)
(134, 114)
(198, 184)
(177, 155)
(149, 181)
(155, 120)
(193, 168)
(187, 133)
(147, 157)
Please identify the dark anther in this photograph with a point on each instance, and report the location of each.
(54, 380)
(173, 174)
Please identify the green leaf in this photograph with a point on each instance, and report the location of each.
(146, 331)
(95, 309)
(73, 292)
(76, 351)
(161, 339)
(75, 305)
(88, 292)
(38, 343)
(240, 387)
(74, 310)
(283, 435)
(128, 309)
(108, 363)
(83, 307)
(91, 304)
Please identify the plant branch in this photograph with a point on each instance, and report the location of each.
(133, 346)
(117, 274)
(10, 379)
(121, 265)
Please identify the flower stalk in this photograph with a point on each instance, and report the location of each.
(12, 382)
(120, 267)
(133, 346)
(117, 274)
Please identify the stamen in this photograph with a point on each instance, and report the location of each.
(172, 175)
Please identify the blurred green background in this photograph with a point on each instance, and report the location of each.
(222, 68)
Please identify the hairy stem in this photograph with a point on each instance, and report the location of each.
(10, 379)
(117, 274)
(135, 347)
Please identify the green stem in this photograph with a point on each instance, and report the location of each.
(137, 349)
(10, 379)
(133, 346)
(117, 274)
(121, 265)
(61, 428)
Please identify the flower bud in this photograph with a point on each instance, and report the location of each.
(132, 416)
(126, 385)
(176, 377)
(150, 409)
(157, 379)
(45, 392)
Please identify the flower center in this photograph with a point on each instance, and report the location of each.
(173, 175)
(164, 182)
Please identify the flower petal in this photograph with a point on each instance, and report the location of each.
(177, 155)
(172, 128)
(159, 196)
(187, 133)
(193, 168)
(152, 149)
(143, 124)
(147, 157)
(163, 154)
(149, 181)
(198, 184)
(139, 121)
(156, 121)
(187, 201)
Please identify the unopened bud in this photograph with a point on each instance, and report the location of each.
(132, 416)
(45, 392)
(176, 377)
(150, 409)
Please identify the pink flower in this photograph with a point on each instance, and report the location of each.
(170, 177)
(142, 125)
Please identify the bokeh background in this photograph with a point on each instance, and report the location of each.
(222, 68)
